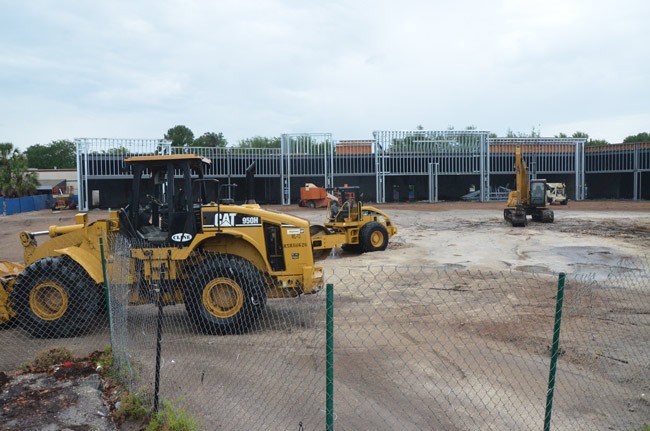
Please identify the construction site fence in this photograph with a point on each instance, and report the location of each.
(9, 206)
(404, 348)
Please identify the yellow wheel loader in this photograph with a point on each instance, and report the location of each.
(354, 226)
(528, 199)
(221, 259)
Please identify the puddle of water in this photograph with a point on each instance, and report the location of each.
(452, 266)
(598, 262)
(534, 269)
(589, 255)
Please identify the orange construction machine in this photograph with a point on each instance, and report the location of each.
(62, 196)
(313, 196)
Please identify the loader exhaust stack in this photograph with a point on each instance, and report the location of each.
(250, 184)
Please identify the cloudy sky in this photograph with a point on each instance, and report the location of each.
(133, 69)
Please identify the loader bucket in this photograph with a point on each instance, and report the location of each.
(8, 273)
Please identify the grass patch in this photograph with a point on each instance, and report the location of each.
(105, 359)
(132, 407)
(172, 418)
(136, 407)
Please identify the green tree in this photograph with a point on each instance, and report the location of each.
(60, 154)
(583, 135)
(596, 142)
(260, 142)
(421, 141)
(452, 128)
(117, 150)
(15, 179)
(639, 137)
(211, 139)
(534, 133)
(180, 136)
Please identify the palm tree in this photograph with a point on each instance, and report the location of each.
(15, 179)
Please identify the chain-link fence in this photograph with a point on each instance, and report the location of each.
(423, 348)
(414, 347)
(230, 355)
(54, 301)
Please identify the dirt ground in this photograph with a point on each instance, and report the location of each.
(611, 217)
(470, 247)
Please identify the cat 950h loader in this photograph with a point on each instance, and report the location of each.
(178, 238)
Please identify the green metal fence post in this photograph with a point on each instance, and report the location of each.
(329, 402)
(554, 351)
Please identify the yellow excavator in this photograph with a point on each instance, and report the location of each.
(528, 199)
(221, 259)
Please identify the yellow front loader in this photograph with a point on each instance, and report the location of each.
(178, 237)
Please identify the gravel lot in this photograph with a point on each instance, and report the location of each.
(477, 349)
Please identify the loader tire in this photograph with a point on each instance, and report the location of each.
(322, 253)
(373, 237)
(227, 295)
(311, 204)
(56, 298)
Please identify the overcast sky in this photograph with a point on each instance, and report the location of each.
(134, 69)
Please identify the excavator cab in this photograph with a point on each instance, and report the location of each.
(165, 203)
(537, 193)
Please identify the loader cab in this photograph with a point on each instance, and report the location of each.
(166, 197)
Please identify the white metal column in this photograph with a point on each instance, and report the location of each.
(433, 182)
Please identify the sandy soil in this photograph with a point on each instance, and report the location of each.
(449, 328)
(594, 237)
(439, 226)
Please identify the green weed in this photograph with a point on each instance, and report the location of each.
(133, 407)
(172, 418)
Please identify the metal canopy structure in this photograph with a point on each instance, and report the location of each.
(433, 160)
(633, 158)
(306, 155)
(431, 153)
(104, 158)
(543, 156)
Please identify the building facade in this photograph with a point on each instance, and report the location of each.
(395, 166)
